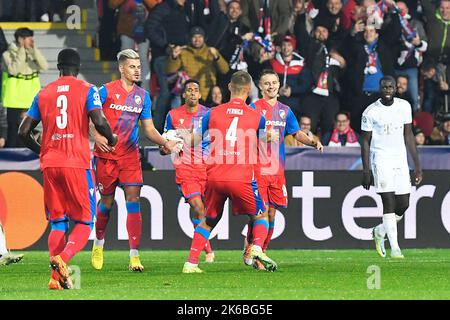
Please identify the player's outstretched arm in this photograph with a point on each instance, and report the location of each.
(102, 126)
(302, 137)
(410, 142)
(25, 133)
(365, 148)
(153, 135)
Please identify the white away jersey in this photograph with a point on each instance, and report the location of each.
(387, 126)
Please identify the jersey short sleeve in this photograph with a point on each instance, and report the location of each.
(366, 122)
(291, 123)
(147, 107)
(407, 113)
(261, 126)
(93, 99)
(168, 125)
(34, 112)
(103, 93)
(205, 122)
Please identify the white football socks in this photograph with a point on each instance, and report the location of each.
(3, 249)
(99, 243)
(390, 225)
(134, 253)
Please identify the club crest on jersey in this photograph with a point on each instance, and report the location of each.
(181, 121)
(137, 100)
(117, 96)
(264, 112)
(282, 114)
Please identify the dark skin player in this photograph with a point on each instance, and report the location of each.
(391, 202)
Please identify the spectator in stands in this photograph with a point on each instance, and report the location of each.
(438, 28)
(257, 59)
(419, 136)
(130, 28)
(322, 103)
(54, 10)
(330, 17)
(167, 28)
(409, 51)
(204, 13)
(435, 85)
(441, 133)
(21, 65)
(305, 125)
(295, 78)
(370, 60)
(280, 12)
(343, 135)
(402, 89)
(229, 39)
(21, 10)
(303, 27)
(198, 61)
(215, 98)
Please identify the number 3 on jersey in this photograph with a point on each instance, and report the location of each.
(232, 132)
(61, 120)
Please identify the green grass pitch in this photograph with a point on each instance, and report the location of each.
(302, 274)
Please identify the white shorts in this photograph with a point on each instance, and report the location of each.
(391, 178)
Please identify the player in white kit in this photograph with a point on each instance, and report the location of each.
(387, 132)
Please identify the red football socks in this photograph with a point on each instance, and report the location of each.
(269, 236)
(102, 221)
(198, 244)
(260, 230)
(78, 239)
(134, 224)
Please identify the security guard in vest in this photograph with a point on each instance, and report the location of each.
(21, 65)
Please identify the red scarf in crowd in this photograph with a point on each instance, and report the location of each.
(351, 137)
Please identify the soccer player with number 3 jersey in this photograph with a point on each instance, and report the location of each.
(280, 121)
(124, 105)
(64, 107)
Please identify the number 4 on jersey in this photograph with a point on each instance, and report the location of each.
(232, 132)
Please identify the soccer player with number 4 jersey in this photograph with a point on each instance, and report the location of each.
(234, 130)
(190, 168)
(280, 121)
(64, 107)
(124, 105)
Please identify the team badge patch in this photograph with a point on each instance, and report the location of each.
(264, 112)
(282, 114)
(137, 100)
(181, 121)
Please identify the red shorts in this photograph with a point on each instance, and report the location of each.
(70, 193)
(113, 173)
(273, 190)
(245, 198)
(192, 188)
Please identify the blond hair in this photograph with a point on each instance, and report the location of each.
(126, 54)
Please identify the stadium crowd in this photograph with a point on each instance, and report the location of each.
(329, 55)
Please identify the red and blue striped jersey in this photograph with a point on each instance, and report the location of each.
(181, 118)
(124, 110)
(63, 108)
(281, 118)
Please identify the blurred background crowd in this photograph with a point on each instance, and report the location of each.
(329, 55)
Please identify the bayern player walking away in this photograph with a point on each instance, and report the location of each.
(64, 107)
(387, 133)
(233, 129)
(280, 121)
(124, 105)
(190, 168)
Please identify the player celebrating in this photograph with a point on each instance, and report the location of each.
(64, 107)
(190, 169)
(124, 104)
(386, 126)
(7, 257)
(280, 121)
(233, 130)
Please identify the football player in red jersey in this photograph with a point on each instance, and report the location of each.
(280, 121)
(124, 105)
(64, 107)
(234, 130)
(190, 169)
